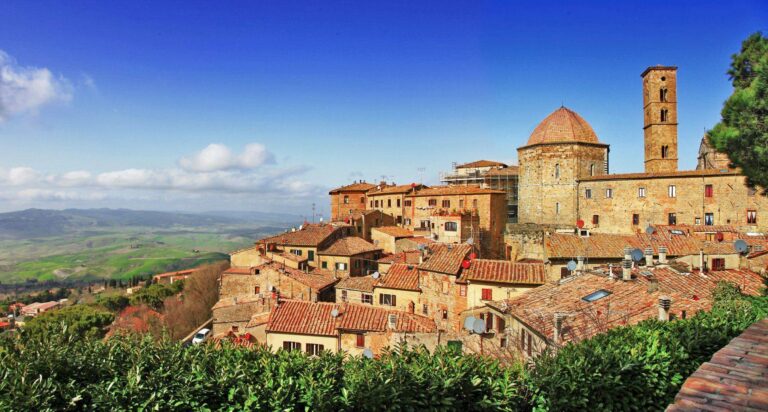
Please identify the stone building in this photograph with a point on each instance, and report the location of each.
(386, 237)
(488, 174)
(391, 199)
(348, 199)
(363, 222)
(489, 280)
(711, 159)
(349, 256)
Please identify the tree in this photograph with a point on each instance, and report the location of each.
(743, 131)
(76, 320)
(201, 292)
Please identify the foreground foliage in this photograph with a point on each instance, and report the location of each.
(638, 367)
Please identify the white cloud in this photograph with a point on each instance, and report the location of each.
(73, 178)
(56, 195)
(26, 89)
(19, 176)
(217, 157)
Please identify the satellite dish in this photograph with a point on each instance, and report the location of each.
(335, 313)
(368, 353)
(478, 326)
(571, 265)
(637, 255)
(420, 246)
(650, 230)
(741, 246)
(470, 241)
(376, 275)
(469, 323)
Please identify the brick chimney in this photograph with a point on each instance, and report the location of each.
(648, 256)
(558, 327)
(665, 302)
(626, 269)
(662, 255)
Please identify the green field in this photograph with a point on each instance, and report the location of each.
(119, 253)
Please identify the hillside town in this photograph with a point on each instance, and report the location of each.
(508, 260)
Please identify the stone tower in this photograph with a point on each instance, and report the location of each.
(561, 150)
(660, 118)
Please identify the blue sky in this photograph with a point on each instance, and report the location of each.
(114, 103)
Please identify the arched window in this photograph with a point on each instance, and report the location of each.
(664, 151)
(557, 170)
(592, 169)
(663, 94)
(664, 113)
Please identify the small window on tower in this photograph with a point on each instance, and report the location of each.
(664, 115)
(664, 152)
(592, 169)
(663, 94)
(557, 171)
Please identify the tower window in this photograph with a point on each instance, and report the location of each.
(640, 192)
(664, 115)
(664, 151)
(557, 171)
(751, 217)
(663, 94)
(672, 191)
(588, 193)
(663, 78)
(557, 208)
(592, 169)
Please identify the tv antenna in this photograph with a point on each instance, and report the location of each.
(421, 174)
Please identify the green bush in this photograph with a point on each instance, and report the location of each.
(79, 321)
(113, 303)
(154, 295)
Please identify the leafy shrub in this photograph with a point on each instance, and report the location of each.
(154, 295)
(77, 321)
(113, 303)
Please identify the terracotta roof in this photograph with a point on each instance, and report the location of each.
(736, 378)
(309, 235)
(657, 175)
(455, 190)
(601, 245)
(361, 283)
(237, 271)
(313, 280)
(359, 317)
(301, 317)
(354, 187)
(349, 246)
(504, 271)
(446, 258)
(258, 319)
(176, 273)
(395, 231)
(410, 256)
(563, 125)
(393, 190)
(400, 276)
(481, 163)
(509, 170)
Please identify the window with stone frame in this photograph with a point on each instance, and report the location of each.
(672, 219)
(407, 202)
(432, 202)
(709, 191)
(314, 349)
(751, 217)
(709, 219)
(367, 298)
(672, 191)
(640, 192)
(446, 203)
(635, 219)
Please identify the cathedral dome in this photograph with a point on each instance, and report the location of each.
(563, 125)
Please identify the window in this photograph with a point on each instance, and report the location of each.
(635, 219)
(446, 203)
(341, 266)
(451, 226)
(718, 264)
(487, 294)
(709, 219)
(362, 200)
(387, 300)
(501, 324)
(564, 272)
(503, 342)
(595, 219)
(557, 208)
(424, 224)
(408, 203)
(557, 171)
(672, 191)
(664, 151)
(525, 341)
(360, 340)
(697, 221)
(291, 345)
(311, 255)
(371, 203)
(608, 193)
(424, 309)
(376, 203)
(474, 204)
(664, 115)
(597, 295)
(296, 252)
(663, 94)
(640, 192)
(461, 203)
(367, 298)
(314, 349)
(389, 202)
(343, 295)
(446, 287)
(398, 202)
(489, 322)
(672, 219)
(407, 221)
(588, 193)
(462, 290)
(346, 200)
(324, 265)
(257, 290)
(445, 314)
(751, 217)
(433, 202)
(592, 169)
(708, 191)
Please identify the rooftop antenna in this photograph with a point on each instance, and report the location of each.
(421, 174)
(313, 212)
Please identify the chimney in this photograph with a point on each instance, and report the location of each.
(392, 321)
(663, 255)
(580, 263)
(701, 261)
(664, 304)
(627, 253)
(626, 269)
(558, 329)
(648, 256)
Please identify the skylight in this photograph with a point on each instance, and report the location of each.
(676, 232)
(596, 295)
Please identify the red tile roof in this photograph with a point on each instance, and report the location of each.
(305, 318)
(504, 271)
(358, 317)
(354, 187)
(446, 259)
(736, 378)
(394, 190)
(600, 245)
(563, 125)
(349, 246)
(361, 283)
(395, 231)
(409, 256)
(658, 175)
(312, 280)
(309, 235)
(480, 163)
(455, 190)
(400, 276)
(176, 273)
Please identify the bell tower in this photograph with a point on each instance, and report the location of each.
(660, 118)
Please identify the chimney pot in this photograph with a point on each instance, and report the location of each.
(665, 302)
(580, 263)
(648, 256)
(626, 269)
(558, 320)
(627, 253)
(662, 254)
